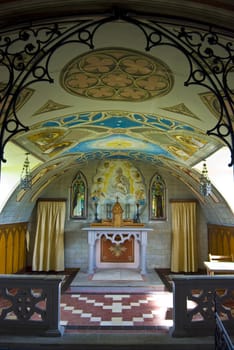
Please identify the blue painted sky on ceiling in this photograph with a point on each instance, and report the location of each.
(122, 143)
(117, 120)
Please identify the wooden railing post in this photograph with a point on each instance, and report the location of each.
(195, 300)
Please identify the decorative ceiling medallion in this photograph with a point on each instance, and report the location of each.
(117, 74)
(50, 106)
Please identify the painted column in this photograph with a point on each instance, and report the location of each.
(143, 241)
(91, 243)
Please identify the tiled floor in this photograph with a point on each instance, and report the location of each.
(108, 314)
(95, 303)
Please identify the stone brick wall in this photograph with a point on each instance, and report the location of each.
(159, 240)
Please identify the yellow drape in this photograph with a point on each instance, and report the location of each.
(48, 251)
(184, 237)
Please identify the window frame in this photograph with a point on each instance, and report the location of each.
(84, 206)
(157, 179)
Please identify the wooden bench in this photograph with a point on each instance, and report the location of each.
(213, 257)
(221, 267)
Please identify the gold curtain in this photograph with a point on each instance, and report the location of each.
(184, 237)
(48, 254)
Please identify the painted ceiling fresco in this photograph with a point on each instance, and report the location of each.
(116, 103)
(120, 133)
(116, 74)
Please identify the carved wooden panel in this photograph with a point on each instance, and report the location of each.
(220, 239)
(12, 247)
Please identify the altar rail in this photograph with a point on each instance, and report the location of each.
(222, 339)
(30, 305)
(195, 300)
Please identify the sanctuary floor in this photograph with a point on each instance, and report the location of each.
(116, 299)
(101, 312)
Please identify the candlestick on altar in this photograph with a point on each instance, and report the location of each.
(138, 213)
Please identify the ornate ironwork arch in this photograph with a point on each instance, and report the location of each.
(25, 57)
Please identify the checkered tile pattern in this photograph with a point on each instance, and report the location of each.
(116, 311)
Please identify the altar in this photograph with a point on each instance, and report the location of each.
(126, 245)
(117, 242)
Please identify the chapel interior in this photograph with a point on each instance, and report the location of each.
(111, 113)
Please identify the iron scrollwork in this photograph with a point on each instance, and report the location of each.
(25, 57)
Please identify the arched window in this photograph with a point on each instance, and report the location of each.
(157, 198)
(78, 197)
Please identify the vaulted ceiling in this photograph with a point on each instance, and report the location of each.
(101, 83)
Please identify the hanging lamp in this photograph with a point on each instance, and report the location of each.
(26, 177)
(205, 184)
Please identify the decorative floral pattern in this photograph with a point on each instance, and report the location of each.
(121, 74)
(117, 249)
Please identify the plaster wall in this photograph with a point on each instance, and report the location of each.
(159, 240)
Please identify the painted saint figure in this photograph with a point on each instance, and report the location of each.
(78, 197)
(158, 197)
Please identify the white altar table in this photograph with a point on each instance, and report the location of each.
(117, 235)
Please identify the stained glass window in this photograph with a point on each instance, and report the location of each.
(79, 197)
(157, 200)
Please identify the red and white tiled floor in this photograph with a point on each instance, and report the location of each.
(130, 304)
(112, 311)
(109, 309)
